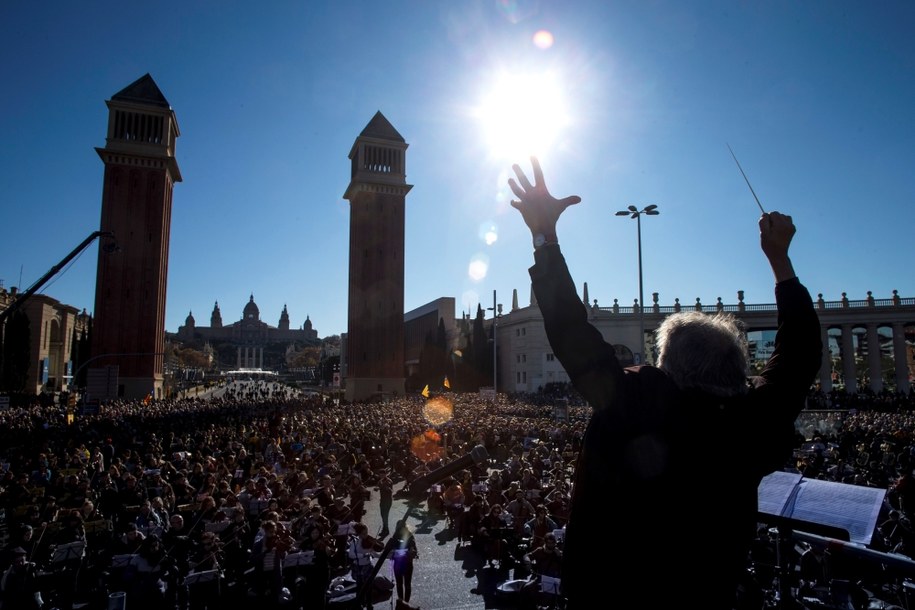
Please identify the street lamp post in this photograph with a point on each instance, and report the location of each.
(634, 212)
(496, 313)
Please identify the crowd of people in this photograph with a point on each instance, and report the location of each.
(179, 503)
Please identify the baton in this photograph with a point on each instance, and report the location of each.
(746, 179)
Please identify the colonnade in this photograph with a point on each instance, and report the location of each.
(249, 357)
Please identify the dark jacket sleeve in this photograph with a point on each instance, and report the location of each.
(589, 360)
(798, 353)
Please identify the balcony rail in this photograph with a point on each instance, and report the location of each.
(819, 304)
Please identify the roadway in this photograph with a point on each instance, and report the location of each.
(447, 576)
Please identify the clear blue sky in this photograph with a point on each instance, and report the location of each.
(817, 99)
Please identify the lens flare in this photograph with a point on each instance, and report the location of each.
(438, 410)
(478, 268)
(543, 39)
(469, 301)
(489, 233)
(426, 446)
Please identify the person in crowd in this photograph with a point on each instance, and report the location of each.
(521, 511)
(153, 577)
(319, 541)
(148, 520)
(205, 575)
(473, 519)
(543, 561)
(177, 544)
(236, 540)
(129, 542)
(403, 553)
(267, 556)
(654, 428)
(22, 538)
(537, 528)
(385, 487)
(363, 550)
(558, 502)
(326, 493)
(19, 585)
(453, 499)
(358, 494)
(492, 534)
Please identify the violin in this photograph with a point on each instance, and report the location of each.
(371, 543)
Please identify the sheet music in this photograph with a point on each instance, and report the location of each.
(200, 577)
(302, 558)
(548, 584)
(853, 508)
(775, 490)
(122, 561)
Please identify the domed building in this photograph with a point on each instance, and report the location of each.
(249, 336)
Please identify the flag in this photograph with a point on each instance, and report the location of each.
(147, 399)
(426, 391)
(447, 384)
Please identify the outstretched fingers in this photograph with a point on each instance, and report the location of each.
(570, 200)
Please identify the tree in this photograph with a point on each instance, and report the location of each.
(479, 362)
(306, 357)
(190, 358)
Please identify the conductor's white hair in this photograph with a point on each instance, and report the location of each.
(704, 352)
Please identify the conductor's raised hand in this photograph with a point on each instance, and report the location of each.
(776, 231)
(539, 209)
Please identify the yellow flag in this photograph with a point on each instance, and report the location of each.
(426, 391)
(447, 384)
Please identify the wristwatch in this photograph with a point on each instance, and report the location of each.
(541, 240)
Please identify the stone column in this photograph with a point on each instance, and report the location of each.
(826, 364)
(238, 357)
(873, 358)
(848, 360)
(899, 358)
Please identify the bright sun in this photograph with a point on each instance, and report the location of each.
(522, 115)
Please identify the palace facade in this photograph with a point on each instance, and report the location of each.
(250, 335)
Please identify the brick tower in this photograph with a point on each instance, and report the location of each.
(375, 329)
(140, 173)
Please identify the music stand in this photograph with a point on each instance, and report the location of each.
(345, 529)
(549, 584)
(71, 550)
(97, 526)
(201, 577)
(302, 558)
(217, 527)
(123, 561)
(794, 504)
(257, 506)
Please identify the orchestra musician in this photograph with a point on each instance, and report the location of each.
(362, 551)
(267, 557)
(317, 574)
(206, 562)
